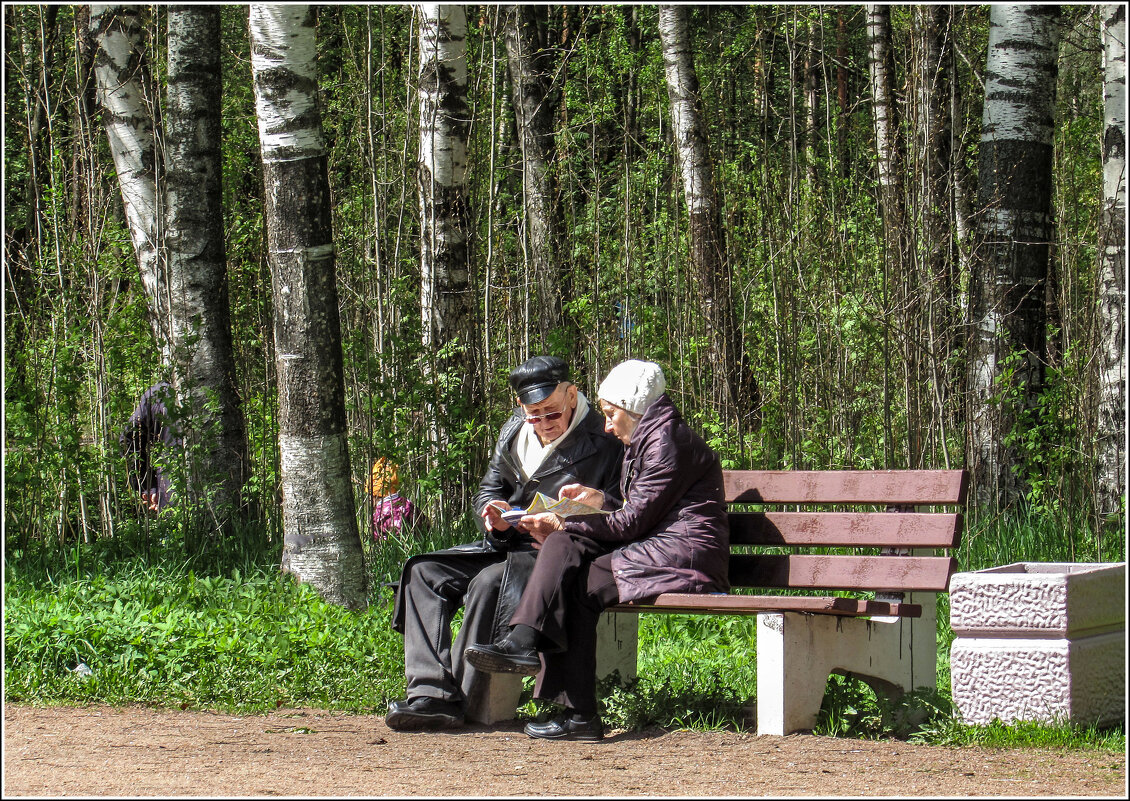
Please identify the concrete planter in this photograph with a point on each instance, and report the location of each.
(1039, 641)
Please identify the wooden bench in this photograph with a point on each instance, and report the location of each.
(880, 561)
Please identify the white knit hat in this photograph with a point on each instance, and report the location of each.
(633, 385)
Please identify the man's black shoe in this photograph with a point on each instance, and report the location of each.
(504, 657)
(423, 714)
(565, 728)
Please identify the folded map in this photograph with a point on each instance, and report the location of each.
(565, 507)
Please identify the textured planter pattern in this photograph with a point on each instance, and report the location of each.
(1039, 598)
(1039, 641)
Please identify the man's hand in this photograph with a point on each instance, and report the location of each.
(586, 495)
(540, 526)
(492, 515)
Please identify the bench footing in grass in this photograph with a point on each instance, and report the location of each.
(797, 652)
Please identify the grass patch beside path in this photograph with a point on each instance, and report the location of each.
(1026, 734)
(240, 642)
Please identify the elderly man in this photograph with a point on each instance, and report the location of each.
(554, 438)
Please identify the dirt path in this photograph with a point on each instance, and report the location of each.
(102, 751)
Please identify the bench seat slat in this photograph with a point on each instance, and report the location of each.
(877, 573)
(717, 603)
(847, 529)
(890, 487)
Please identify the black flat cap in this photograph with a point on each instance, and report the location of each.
(534, 380)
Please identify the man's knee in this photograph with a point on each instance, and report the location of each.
(484, 586)
(434, 574)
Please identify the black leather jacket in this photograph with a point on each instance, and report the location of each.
(586, 456)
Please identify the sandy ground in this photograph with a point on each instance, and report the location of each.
(137, 751)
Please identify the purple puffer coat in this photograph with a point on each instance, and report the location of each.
(673, 522)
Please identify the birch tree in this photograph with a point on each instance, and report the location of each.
(531, 65)
(885, 116)
(1008, 338)
(1112, 266)
(125, 93)
(709, 260)
(446, 300)
(321, 544)
(897, 296)
(199, 318)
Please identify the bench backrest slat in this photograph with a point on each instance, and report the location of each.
(889, 487)
(881, 537)
(878, 573)
(845, 529)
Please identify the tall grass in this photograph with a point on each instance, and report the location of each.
(695, 671)
(151, 620)
(1029, 535)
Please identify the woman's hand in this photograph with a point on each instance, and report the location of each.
(540, 526)
(492, 515)
(586, 495)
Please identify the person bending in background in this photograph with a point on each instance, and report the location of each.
(670, 535)
(553, 439)
(147, 430)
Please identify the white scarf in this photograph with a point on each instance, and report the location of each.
(528, 450)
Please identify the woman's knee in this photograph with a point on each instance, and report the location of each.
(564, 542)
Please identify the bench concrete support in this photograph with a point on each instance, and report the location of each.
(796, 652)
(617, 644)
(493, 698)
(496, 695)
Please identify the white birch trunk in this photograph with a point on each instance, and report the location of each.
(1015, 233)
(1112, 268)
(885, 115)
(445, 119)
(200, 320)
(124, 90)
(321, 544)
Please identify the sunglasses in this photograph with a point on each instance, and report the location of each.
(548, 417)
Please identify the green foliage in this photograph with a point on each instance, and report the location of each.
(1045, 431)
(803, 237)
(851, 708)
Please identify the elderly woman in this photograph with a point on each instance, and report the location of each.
(670, 535)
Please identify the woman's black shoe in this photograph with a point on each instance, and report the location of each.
(423, 714)
(565, 728)
(504, 657)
